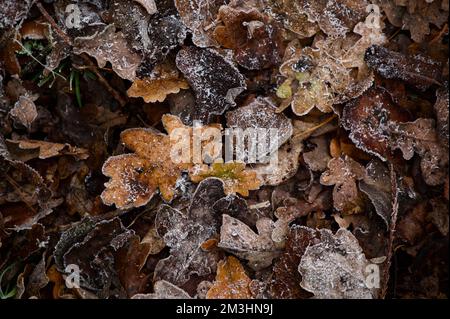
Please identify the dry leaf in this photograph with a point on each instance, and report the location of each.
(24, 111)
(240, 240)
(164, 80)
(215, 81)
(231, 281)
(44, 150)
(164, 290)
(185, 233)
(343, 173)
(234, 175)
(110, 46)
(335, 267)
(199, 16)
(135, 177)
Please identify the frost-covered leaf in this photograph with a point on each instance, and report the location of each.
(290, 12)
(164, 290)
(286, 281)
(292, 209)
(231, 281)
(24, 111)
(418, 71)
(199, 16)
(164, 80)
(368, 117)
(334, 17)
(240, 240)
(255, 38)
(13, 12)
(376, 184)
(441, 109)
(324, 74)
(421, 137)
(110, 46)
(335, 267)
(91, 245)
(317, 159)
(135, 177)
(260, 114)
(28, 149)
(185, 233)
(343, 173)
(215, 81)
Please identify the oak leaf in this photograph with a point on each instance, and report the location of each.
(231, 281)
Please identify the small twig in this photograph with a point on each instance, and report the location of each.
(392, 226)
(54, 25)
(440, 34)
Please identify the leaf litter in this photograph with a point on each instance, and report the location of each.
(354, 184)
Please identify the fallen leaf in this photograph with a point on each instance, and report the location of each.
(418, 71)
(231, 281)
(199, 16)
(234, 175)
(240, 240)
(164, 290)
(335, 267)
(136, 177)
(110, 46)
(45, 149)
(164, 80)
(215, 81)
(24, 111)
(185, 233)
(343, 173)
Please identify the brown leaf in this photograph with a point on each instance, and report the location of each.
(44, 150)
(164, 80)
(231, 281)
(110, 46)
(418, 71)
(135, 177)
(343, 172)
(286, 281)
(199, 16)
(24, 111)
(255, 39)
(335, 267)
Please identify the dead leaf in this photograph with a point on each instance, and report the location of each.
(110, 46)
(240, 240)
(215, 81)
(44, 150)
(335, 267)
(234, 175)
(199, 16)
(231, 281)
(343, 173)
(24, 111)
(164, 80)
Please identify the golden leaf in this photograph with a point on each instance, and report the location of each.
(165, 80)
(231, 281)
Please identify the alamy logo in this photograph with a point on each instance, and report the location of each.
(73, 277)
